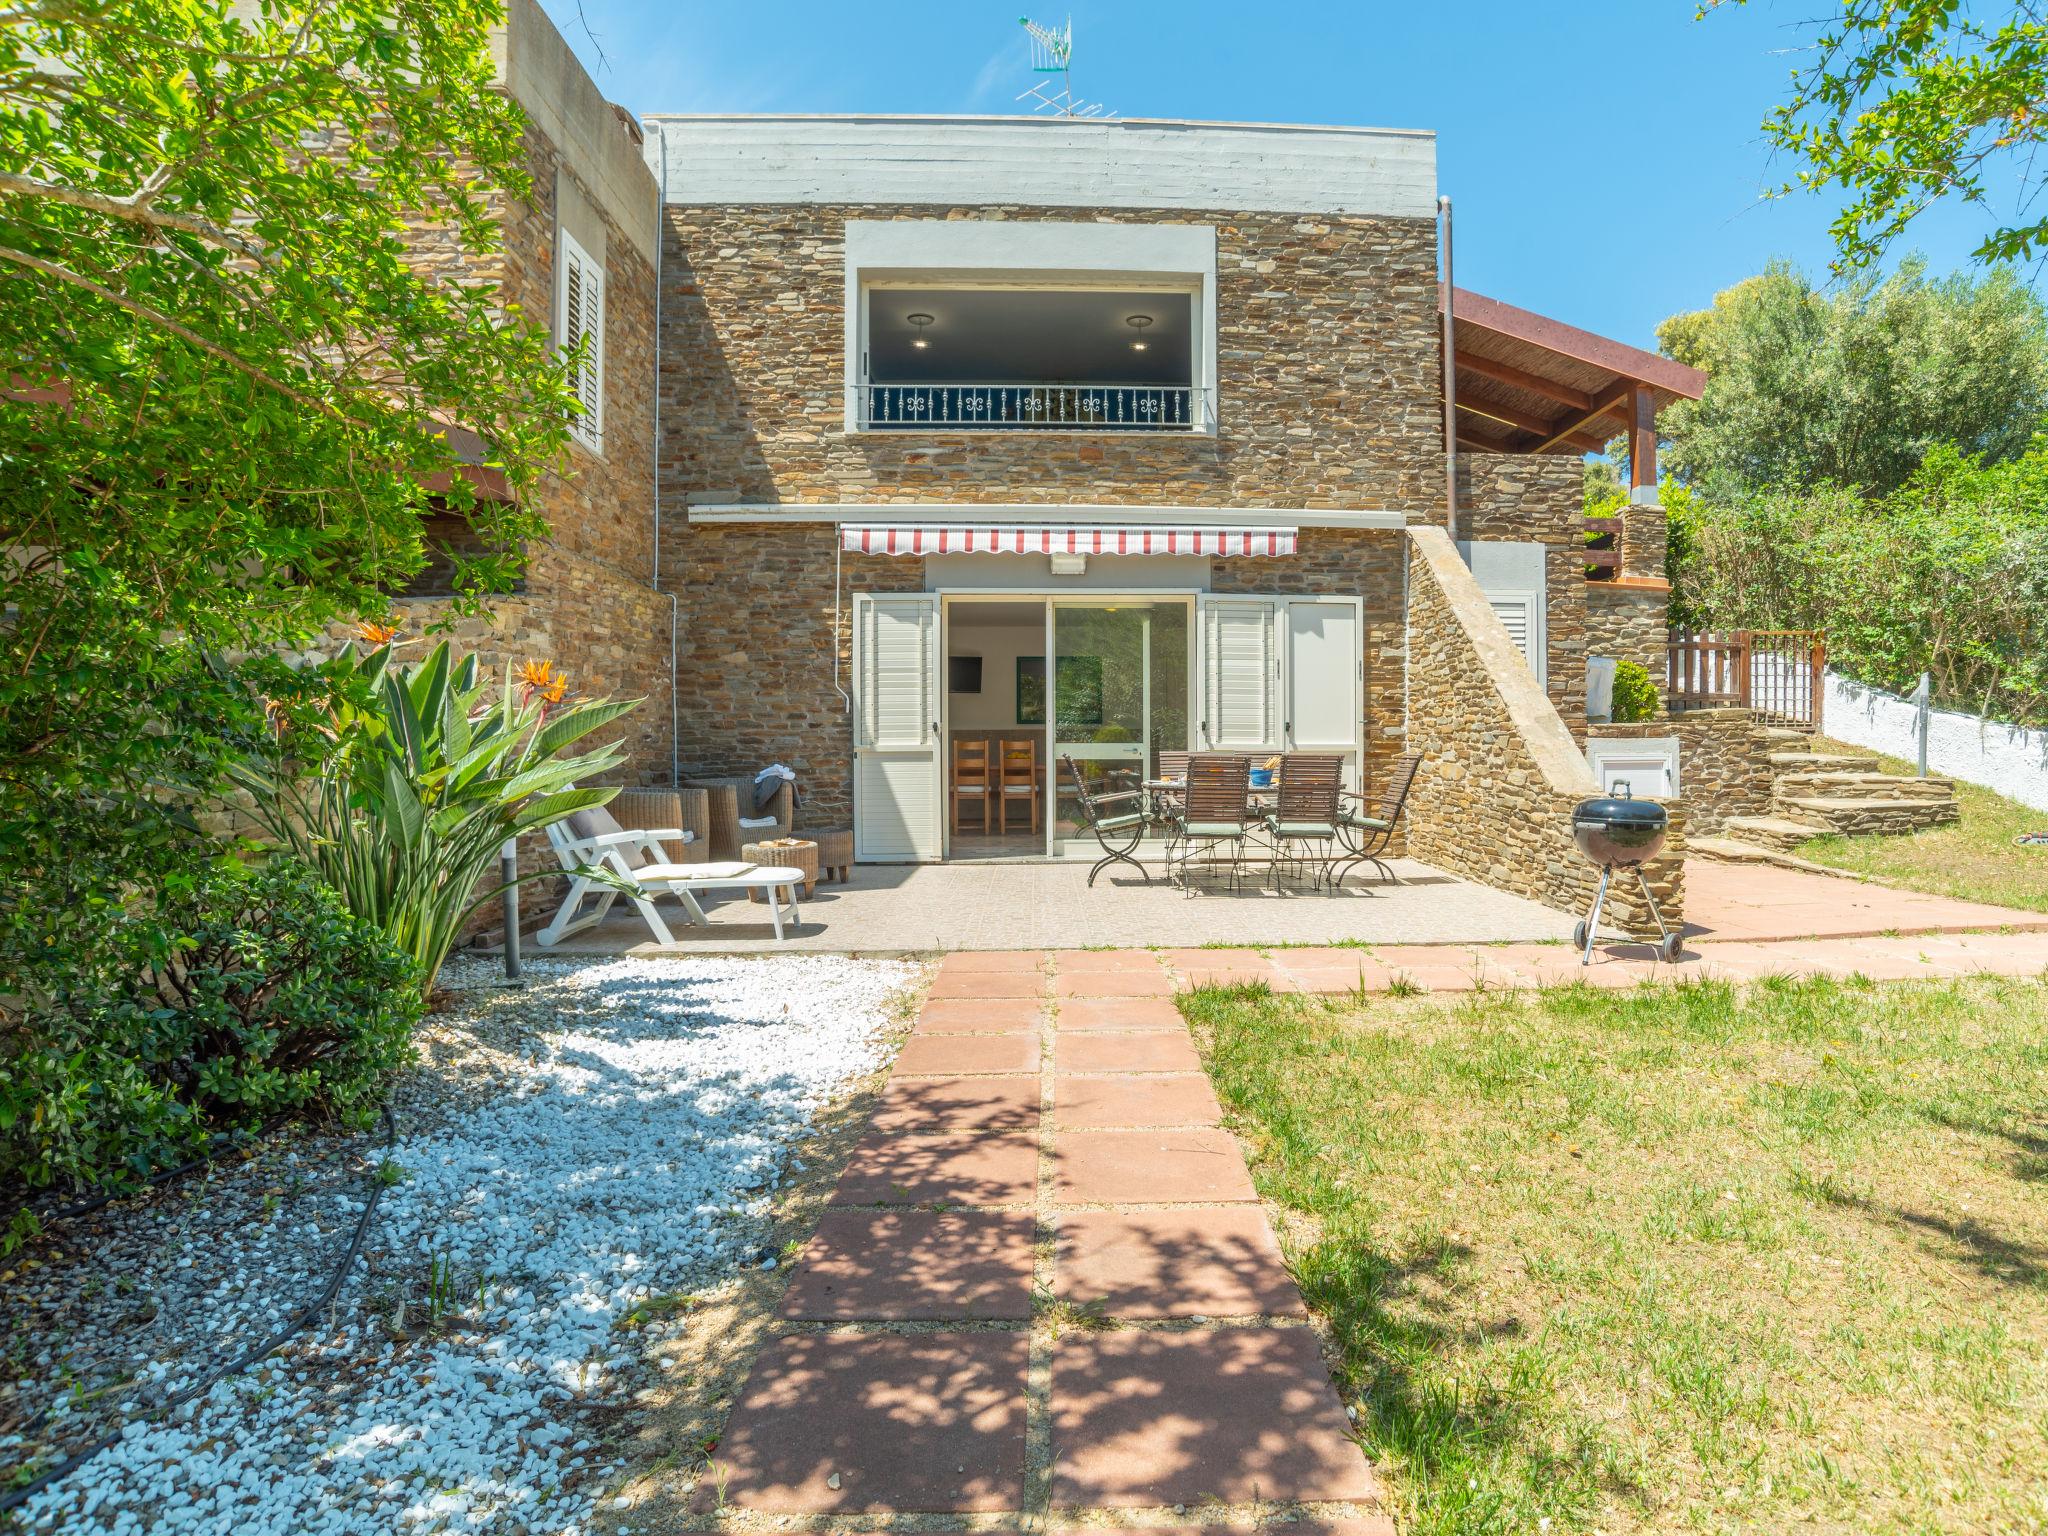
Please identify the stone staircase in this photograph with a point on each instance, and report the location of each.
(1845, 792)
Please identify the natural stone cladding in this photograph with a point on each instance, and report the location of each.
(1537, 498)
(1500, 774)
(1327, 374)
(1629, 622)
(1724, 762)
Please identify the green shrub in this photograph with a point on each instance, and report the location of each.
(252, 995)
(418, 776)
(1635, 696)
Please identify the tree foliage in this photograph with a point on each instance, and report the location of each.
(1854, 387)
(1903, 103)
(229, 387)
(1946, 575)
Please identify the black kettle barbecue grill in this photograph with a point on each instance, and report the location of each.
(1618, 832)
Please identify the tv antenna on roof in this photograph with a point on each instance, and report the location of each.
(1052, 58)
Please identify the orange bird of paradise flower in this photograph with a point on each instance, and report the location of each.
(375, 633)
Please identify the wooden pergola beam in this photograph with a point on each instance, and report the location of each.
(1576, 422)
(1521, 378)
(1527, 421)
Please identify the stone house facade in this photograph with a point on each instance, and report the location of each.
(1116, 438)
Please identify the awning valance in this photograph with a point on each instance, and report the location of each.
(1059, 539)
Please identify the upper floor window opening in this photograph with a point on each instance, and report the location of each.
(1015, 358)
(579, 313)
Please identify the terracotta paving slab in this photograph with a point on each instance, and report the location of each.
(898, 1266)
(1120, 1101)
(965, 960)
(1220, 1262)
(1147, 983)
(966, 1055)
(1159, 1050)
(1751, 901)
(1084, 962)
(958, 1104)
(1149, 1168)
(1088, 1014)
(1141, 1419)
(906, 1423)
(999, 1169)
(972, 984)
(1349, 1525)
(979, 1016)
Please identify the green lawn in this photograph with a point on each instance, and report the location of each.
(1684, 1259)
(1974, 861)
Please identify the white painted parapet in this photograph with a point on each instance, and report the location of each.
(2007, 758)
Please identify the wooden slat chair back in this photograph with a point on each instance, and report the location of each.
(1212, 810)
(974, 780)
(1310, 785)
(1017, 778)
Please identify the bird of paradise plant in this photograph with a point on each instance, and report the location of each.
(426, 769)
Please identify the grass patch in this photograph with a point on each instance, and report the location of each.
(1681, 1259)
(1975, 860)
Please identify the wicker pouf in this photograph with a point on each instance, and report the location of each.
(835, 855)
(790, 853)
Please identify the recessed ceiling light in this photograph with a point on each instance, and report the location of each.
(919, 319)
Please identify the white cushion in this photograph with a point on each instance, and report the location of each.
(751, 822)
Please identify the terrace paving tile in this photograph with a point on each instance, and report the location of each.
(967, 1055)
(979, 1016)
(900, 1423)
(1143, 1419)
(965, 961)
(906, 1266)
(1123, 1102)
(980, 984)
(1090, 1014)
(931, 1104)
(1150, 983)
(1000, 1169)
(1151, 1167)
(1160, 1050)
(1220, 1261)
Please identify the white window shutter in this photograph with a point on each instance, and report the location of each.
(580, 313)
(897, 701)
(1240, 675)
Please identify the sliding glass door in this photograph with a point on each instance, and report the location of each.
(1118, 683)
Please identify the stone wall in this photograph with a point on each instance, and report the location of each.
(1724, 762)
(1537, 498)
(1628, 621)
(1327, 374)
(1500, 772)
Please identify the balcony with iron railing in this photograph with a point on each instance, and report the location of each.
(1025, 407)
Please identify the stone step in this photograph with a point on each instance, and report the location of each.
(1788, 734)
(1870, 817)
(1823, 762)
(1776, 834)
(1734, 850)
(1862, 786)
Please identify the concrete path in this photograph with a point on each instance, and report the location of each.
(1046, 1289)
(1763, 901)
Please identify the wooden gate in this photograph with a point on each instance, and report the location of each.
(1779, 673)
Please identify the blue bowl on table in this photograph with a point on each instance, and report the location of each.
(1262, 778)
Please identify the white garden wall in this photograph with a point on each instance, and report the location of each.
(2007, 758)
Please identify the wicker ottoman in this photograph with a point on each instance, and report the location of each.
(835, 855)
(790, 853)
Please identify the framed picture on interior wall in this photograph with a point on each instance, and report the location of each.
(1080, 690)
(1031, 690)
(963, 674)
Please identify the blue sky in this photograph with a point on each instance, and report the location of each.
(1604, 157)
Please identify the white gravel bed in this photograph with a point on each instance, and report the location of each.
(637, 1155)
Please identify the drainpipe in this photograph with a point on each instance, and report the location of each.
(675, 739)
(1443, 224)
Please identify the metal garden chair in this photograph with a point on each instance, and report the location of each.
(1309, 803)
(1118, 832)
(1367, 834)
(1212, 811)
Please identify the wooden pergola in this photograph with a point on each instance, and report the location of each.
(1528, 384)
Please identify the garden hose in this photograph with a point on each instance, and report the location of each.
(293, 1326)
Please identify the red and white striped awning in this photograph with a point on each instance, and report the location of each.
(1059, 539)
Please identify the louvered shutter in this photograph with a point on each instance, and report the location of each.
(581, 314)
(1516, 612)
(1240, 675)
(897, 788)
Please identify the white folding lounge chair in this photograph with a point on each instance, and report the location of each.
(594, 839)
